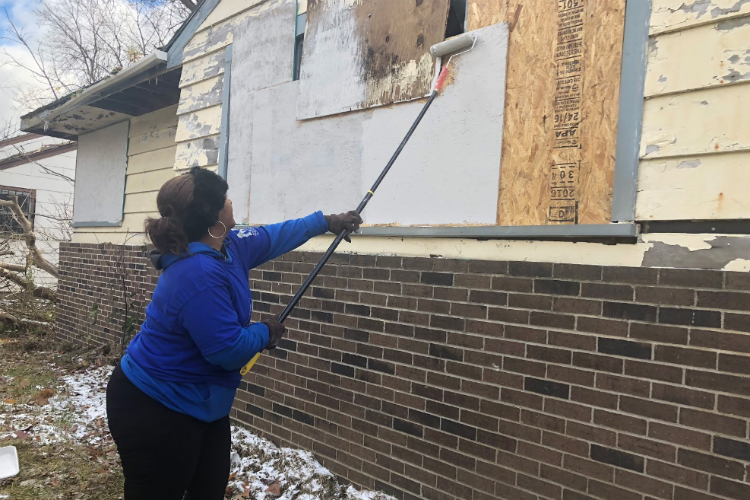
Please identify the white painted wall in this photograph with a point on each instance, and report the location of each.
(52, 179)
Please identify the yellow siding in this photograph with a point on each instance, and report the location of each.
(151, 154)
(695, 147)
(698, 58)
(677, 15)
(226, 10)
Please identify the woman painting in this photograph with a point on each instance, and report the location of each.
(169, 399)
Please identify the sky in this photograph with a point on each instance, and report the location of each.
(21, 11)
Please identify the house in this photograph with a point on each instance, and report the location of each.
(40, 171)
(550, 298)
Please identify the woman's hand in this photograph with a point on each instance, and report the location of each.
(275, 331)
(349, 221)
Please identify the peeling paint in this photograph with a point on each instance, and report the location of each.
(736, 76)
(717, 11)
(697, 251)
(699, 7)
(652, 149)
(690, 164)
(653, 46)
(741, 265)
(734, 59)
(662, 78)
(733, 24)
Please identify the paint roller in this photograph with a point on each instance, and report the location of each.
(455, 46)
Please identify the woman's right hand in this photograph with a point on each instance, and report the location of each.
(275, 331)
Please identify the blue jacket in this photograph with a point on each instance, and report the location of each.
(197, 333)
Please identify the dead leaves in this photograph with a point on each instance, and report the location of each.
(42, 397)
(274, 489)
(10, 401)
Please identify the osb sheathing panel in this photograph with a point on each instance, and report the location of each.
(364, 53)
(706, 56)
(530, 157)
(672, 15)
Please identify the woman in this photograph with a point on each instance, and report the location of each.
(168, 401)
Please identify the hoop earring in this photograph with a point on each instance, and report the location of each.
(218, 237)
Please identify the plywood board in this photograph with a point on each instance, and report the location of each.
(227, 10)
(367, 53)
(707, 56)
(101, 166)
(148, 181)
(672, 15)
(222, 34)
(265, 43)
(567, 53)
(152, 160)
(446, 175)
(694, 188)
(702, 122)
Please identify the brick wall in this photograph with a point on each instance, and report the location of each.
(446, 379)
(96, 281)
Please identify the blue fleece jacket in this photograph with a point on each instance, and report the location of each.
(197, 333)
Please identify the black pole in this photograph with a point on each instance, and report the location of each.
(295, 300)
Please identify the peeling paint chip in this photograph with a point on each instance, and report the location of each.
(690, 164)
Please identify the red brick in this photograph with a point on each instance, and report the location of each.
(648, 447)
(566, 444)
(591, 433)
(619, 421)
(571, 375)
(588, 468)
(540, 453)
(713, 422)
(734, 406)
(536, 485)
(683, 396)
(650, 409)
(679, 435)
(677, 474)
(624, 385)
(568, 410)
(563, 477)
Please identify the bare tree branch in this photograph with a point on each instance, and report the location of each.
(189, 4)
(29, 236)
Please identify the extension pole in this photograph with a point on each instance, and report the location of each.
(450, 45)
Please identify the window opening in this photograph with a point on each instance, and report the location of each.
(26, 198)
(299, 42)
(456, 18)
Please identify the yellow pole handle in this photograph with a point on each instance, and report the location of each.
(249, 366)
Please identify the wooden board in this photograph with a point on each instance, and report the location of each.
(694, 188)
(707, 56)
(226, 10)
(153, 122)
(530, 158)
(148, 181)
(201, 95)
(131, 223)
(203, 68)
(673, 15)
(367, 53)
(199, 124)
(702, 122)
(198, 153)
(141, 203)
(152, 160)
(160, 139)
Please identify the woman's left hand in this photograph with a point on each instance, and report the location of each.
(349, 221)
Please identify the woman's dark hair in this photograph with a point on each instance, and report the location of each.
(188, 204)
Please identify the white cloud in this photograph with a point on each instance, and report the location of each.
(13, 78)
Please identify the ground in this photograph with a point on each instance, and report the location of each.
(52, 410)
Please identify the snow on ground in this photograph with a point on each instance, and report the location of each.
(259, 469)
(77, 411)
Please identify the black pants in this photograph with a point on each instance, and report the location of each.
(164, 453)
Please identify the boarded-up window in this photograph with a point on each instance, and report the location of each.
(100, 176)
(368, 53)
(26, 199)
